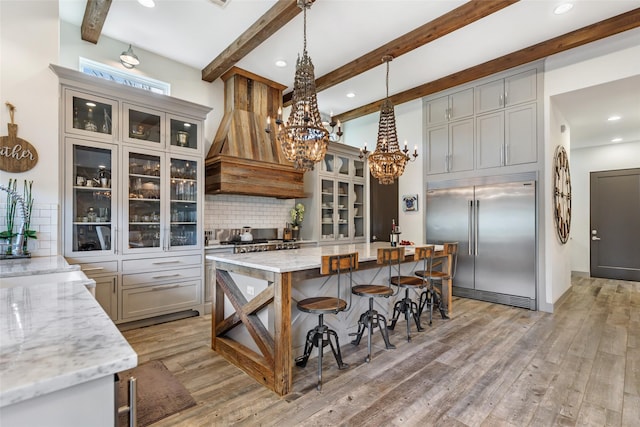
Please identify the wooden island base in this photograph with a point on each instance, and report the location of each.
(262, 333)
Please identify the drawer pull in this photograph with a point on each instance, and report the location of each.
(168, 276)
(164, 288)
(166, 262)
(93, 269)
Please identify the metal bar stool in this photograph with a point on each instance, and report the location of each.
(320, 336)
(432, 296)
(407, 305)
(371, 319)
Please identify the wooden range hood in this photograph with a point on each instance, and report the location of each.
(244, 159)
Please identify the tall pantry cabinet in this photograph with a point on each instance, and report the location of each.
(132, 208)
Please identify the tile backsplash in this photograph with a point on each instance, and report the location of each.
(234, 211)
(44, 220)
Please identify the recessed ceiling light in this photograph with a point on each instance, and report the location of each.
(613, 118)
(91, 104)
(281, 63)
(147, 3)
(616, 140)
(351, 95)
(563, 8)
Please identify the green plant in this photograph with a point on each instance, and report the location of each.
(10, 215)
(297, 214)
(27, 195)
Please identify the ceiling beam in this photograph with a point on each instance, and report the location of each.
(274, 19)
(449, 22)
(94, 16)
(584, 35)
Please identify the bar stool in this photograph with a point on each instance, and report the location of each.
(321, 335)
(407, 305)
(432, 296)
(371, 319)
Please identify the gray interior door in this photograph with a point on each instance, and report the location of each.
(615, 224)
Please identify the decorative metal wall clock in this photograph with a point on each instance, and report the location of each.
(562, 194)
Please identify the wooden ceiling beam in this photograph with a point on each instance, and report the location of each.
(459, 17)
(94, 16)
(276, 17)
(582, 36)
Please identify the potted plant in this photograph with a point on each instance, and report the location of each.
(297, 215)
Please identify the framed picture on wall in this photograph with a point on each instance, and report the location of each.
(410, 202)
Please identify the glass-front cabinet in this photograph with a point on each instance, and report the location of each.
(92, 194)
(90, 116)
(338, 214)
(162, 204)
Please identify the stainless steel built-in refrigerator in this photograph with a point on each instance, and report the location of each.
(495, 225)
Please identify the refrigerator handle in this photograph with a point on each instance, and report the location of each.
(475, 237)
(470, 225)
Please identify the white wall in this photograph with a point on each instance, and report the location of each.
(28, 43)
(603, 61)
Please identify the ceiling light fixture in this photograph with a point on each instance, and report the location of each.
(147, 3)
(303, 138)
(281, 63)
(616, 140)
(129, 59)
(613, 118)
(387, 162)
(563, 8)
(351, 95)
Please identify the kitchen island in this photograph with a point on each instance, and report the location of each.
(255, 322)
(59, 350)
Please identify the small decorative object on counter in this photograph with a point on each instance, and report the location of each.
(297, 215)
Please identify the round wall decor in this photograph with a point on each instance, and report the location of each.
(562, 194)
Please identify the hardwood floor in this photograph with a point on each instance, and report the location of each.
(491, 365)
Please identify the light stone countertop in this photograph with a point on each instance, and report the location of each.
(304, 258)
(54, 335)
(35, 265)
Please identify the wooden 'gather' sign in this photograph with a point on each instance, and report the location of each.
(16, 154)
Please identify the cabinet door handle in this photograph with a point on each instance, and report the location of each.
(501, 101)
(502, 155)
(92, 269)
(505, 99)
(165, 262)
(114, 285)
(470, 225)
(166, 276)
(114, 242)
(162, 288)
(506, 154)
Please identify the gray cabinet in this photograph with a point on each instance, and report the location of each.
(450, 147)
(448, 108)
(506, 138)
(506, 92)
(133, 195)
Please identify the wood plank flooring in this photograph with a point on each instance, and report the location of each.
(491, 365)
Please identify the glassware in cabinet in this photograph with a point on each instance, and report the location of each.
(90, 216)
(183, 202)
(184, 133)
(90, 115)
(144, 207)
(142, 125)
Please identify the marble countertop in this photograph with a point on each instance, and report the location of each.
(54, 335)
(303, 258)
(35, 265)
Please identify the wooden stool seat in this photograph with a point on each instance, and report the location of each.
(371, 319)
(372, 290)
(410, 308)
(432, 297)
(321, 335)
(322, 305)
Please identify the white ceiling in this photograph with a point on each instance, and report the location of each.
(194, 32)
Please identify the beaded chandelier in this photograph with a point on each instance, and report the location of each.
(387, 162)
(303, 138)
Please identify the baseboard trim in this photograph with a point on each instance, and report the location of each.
(562, 298)
(580, 274)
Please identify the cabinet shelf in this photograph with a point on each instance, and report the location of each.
(141, 175)
(183, 201)
(140, 199)
(83, 187)
(91, 223)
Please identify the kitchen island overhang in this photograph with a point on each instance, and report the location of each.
(255, 323)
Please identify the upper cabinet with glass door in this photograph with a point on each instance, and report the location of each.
(90, 116)
(164, 130)
(91, 194)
